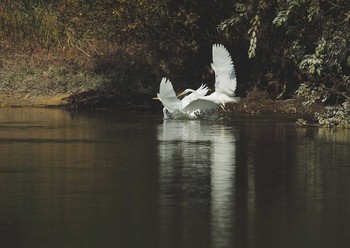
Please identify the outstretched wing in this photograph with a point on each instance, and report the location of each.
(201, 91)
(199, 105)
(168, 97)
(225, 76)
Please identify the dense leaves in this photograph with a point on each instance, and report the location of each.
(301, 44)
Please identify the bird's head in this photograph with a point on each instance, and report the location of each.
(185, 92)
(157, 97)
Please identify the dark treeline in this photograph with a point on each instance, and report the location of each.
(283, 47)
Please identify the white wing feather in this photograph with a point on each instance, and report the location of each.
(201, 91)
(199, 105)
(225, 76)
(168, 97)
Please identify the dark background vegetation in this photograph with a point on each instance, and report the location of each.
(127, 46)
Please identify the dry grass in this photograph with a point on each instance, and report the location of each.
(27, 100)
(257, 103)
(45, 73)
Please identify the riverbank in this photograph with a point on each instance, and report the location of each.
(28, 100)
(74, 81)
(96, 100)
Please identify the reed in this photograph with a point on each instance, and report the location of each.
(31, 23)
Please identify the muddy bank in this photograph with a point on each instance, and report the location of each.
(28, 100)
(92, 100)
(96, 100)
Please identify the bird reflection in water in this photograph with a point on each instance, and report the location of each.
(197, 179)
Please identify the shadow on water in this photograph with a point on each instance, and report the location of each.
(133, 180)
(292, 189)
(76, 181)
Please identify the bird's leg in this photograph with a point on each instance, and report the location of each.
(165, 113)
(198, 115)
(223, 106)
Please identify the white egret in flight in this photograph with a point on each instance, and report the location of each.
(196, 103)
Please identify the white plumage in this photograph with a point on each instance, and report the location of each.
(197, 103)
(225, 76)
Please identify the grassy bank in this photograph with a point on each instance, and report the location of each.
(83, 48)
(45, 73)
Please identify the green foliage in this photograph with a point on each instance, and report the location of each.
(335, 116)
(246, 13)
(313, 63)
(311, 94)
(304, 44)
(284, 10)
(253, 35)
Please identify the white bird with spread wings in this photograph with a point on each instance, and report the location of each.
(197, 103)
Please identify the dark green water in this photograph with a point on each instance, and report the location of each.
(134, 180)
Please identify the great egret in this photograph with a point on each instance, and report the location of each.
(197, 102)
(185, 108)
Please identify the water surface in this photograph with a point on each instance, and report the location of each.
(135, 180)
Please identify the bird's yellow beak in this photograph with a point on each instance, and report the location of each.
(181, 94)
(155, 98)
